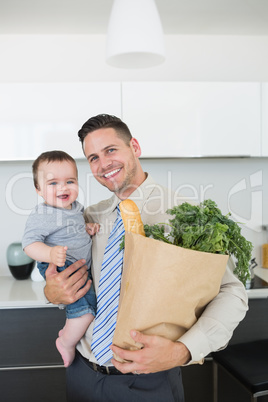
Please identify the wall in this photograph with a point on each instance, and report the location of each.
(227, 181)
(80, 58)
(60, 58)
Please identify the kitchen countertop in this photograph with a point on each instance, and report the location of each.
(29, 294)
(262, 273)
(259, 289)
(21, 293)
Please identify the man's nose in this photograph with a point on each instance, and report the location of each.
(105, 162)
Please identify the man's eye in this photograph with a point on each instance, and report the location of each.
(111, 150)
(93, 159)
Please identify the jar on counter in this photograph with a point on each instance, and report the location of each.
(265, 249)
(265, 255)
(20, 265)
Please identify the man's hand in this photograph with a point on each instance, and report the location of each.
(158, 354)
(65, 288)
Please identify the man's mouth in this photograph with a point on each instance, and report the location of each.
(112, 173)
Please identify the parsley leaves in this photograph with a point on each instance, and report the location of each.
(204, 228)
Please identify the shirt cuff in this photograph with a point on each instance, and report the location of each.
(197, 344)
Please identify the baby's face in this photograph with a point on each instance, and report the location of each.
(58, 184)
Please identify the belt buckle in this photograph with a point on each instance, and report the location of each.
(95, 366)
(101, 369)
(107, 370)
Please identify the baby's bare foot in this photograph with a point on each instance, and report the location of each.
(67, 354)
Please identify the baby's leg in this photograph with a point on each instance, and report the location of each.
(70, 335)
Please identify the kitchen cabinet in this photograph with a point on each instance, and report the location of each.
(198, 379)
(192, 119)
(38, 117)
(264, 118)
(31, 368)
(170, 119)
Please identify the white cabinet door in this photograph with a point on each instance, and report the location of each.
(36, 117)
(264, 113)
(176, 119)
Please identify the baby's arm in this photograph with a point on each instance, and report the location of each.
(41, 252)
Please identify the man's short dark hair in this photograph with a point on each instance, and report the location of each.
(105, 121)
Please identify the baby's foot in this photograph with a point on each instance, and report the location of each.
(60, 332)
(67, 353)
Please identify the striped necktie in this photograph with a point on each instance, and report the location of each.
(108, 293)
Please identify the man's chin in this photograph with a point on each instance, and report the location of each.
(119, 190)
(113, 187)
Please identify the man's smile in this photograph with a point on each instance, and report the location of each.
(112, 173)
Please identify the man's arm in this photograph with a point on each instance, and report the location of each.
(211, 332)
(66, 287)
(215, 327)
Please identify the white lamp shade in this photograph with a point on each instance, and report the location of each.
(135, 36)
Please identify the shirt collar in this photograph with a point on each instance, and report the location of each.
(139, 196)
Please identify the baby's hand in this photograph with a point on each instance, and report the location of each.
(92, 228)
(58, 255)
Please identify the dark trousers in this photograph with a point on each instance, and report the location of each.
(86, 385)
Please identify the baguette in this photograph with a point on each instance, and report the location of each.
(131, 217)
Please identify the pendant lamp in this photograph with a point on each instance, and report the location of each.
(135, 36)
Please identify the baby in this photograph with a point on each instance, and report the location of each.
(56, 233)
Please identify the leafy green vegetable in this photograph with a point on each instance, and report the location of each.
(122, 243)
(204, 228)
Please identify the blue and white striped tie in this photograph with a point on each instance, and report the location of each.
(108, 293)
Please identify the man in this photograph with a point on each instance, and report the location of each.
(152, 373)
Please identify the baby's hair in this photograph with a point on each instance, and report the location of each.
(50, 156)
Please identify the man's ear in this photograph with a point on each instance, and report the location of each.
(136, 147)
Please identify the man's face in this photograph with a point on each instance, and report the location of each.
(113, 163)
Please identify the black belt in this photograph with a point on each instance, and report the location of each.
(111, 370)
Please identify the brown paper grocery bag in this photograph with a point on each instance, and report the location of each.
(164, 288)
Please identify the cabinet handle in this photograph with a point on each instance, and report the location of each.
(31, 367)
